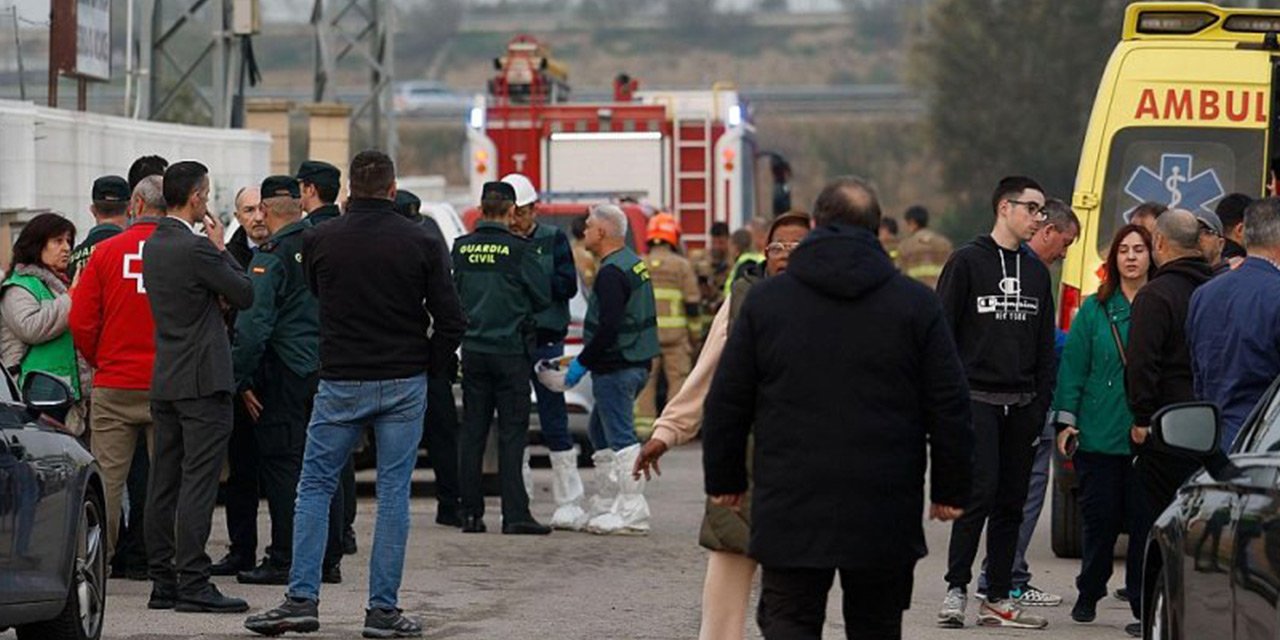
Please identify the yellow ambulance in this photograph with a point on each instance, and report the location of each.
(1182, 117)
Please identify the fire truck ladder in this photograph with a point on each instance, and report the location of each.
(684, 209)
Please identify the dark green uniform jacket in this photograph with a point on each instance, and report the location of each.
(323, 214)
(285, 316)
(556, 257)
(501, 286)
(80, 255)
(613, 343)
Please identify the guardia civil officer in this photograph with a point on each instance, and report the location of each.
(276, 360)
(319, 183)
(501, 284)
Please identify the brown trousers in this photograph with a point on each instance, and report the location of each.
(118, 417)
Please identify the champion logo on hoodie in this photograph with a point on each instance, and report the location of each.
(1010, 305)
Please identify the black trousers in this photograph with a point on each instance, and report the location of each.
(495, 382)
(191, 440)
(131, 550)
(440, 430)
(1004, 448)
(240, 493)
(281, 434)
(1110, 497)
(793, 602)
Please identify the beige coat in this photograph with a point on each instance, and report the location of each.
(681, 419)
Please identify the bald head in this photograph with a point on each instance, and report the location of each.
(848, 200)
(1177, 236)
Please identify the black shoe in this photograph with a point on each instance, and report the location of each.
(230, 565)
(1134, 629)
(299, 616)
(265, 573)
(137, 573)
(526, 528)
(209, 600)
(448, 519)
(1122, 594)
(332, 574)
(1084, 611)
(390, 623)
(162, 597)
(349, 547)
(473, 524)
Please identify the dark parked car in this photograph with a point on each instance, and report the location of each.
(52, 522)
(1212, 565)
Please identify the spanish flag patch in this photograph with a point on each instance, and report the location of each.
(259, 270)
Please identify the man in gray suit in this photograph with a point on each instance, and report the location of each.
(186, 275)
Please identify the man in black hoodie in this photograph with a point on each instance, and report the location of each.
(1159, 359)
(843, 424)
(998, 299)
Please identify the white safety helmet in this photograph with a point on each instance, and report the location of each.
(525, 193)
(551, 373)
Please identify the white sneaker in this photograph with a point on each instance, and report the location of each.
(1008, 613)
(951, 615)
(1030, 596)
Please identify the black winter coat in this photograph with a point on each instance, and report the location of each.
(849, 373)
(1158, 372)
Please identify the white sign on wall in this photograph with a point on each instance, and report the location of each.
(93, 39)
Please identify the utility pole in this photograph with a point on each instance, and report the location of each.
(17, 43)
(360, 33)
(173, 75)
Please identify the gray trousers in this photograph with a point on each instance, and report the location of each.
(191, 443)
(1031, 512)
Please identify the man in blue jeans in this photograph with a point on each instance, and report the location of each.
(621, 334)
(555, 256)
(382, 283)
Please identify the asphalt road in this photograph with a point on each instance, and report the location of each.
(572, 585)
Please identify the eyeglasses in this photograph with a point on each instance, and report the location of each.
(777, 248)
(1034, 208)
(1204, 228)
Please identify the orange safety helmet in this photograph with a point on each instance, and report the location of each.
(664, 227)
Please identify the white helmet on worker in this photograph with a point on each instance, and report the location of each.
(525, 193)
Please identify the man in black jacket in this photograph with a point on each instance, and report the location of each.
(1159, 360)
(891, 398)
(998, 299)
(321, 183)
(389, 315)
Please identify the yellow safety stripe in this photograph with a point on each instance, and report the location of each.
(670, 295)
(675, 319)
(925, 271)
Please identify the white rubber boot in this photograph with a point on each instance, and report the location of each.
(566, 488)
(630, 513)
(526, 474)
(605, 491)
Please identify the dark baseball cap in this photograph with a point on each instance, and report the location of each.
(499, 189)
(407, 203)
(276, 186)
(319, 172)
(111, 189)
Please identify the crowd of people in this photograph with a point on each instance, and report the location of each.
(265, 357)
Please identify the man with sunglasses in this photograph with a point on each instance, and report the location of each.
(997, 296)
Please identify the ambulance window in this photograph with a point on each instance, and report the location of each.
(1180, 167)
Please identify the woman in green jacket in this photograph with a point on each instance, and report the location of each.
(1091, 411)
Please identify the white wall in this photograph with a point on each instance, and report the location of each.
(49, 158)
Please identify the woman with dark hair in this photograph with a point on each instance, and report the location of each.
(726, 590)
(1092, 419)
(35, 307)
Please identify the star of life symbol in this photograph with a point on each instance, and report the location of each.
(133, 267)
(1177, 185)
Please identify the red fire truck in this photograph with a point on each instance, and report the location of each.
(691, 153)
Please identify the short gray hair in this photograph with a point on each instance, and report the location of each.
(614, 219)
(151, 191)
(1262, 223)
(1059, 215)
(1181, 228)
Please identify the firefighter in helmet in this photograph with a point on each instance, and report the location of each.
(675, 289)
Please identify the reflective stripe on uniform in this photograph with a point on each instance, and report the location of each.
(925, 271)
(675, 318)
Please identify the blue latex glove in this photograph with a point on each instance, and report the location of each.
(575, 373)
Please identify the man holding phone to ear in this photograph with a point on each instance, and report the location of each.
(185, 276)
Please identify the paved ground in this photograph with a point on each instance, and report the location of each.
(569, 585)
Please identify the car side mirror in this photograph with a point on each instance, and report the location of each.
(1190, 429)
(47, 393)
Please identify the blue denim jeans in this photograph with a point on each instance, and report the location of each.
(343, 408)
(553, 416)
(613, 419)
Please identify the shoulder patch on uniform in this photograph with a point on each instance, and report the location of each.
(259, 269)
